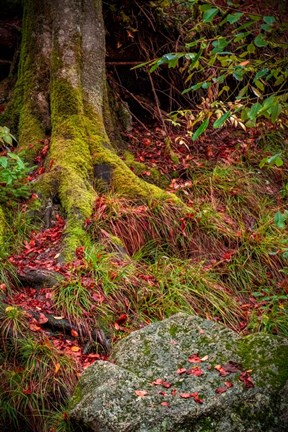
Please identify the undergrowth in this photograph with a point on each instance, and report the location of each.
(224, 259)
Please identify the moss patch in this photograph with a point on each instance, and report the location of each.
(266, 357)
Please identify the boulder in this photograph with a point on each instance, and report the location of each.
(186, 374)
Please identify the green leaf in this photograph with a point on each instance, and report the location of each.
(269, 19)
(274, 111)
(275, 159)
(240, 36)
(220, 79)
(260, 42)
(8, 139)
(190, 56)
(266, 27)
(200, 129)
(210, 14)
(194, 87)
(280, 80)
(206, 85)
(192, 44)
(251, 48)
(263, 162)
(219, 45)
(279, 220)
(220, 121)
(242, 92)
(13, 155)
(248, 24)
(3, 161)
(254, 110)
(154, 67)
(4, 130)
(261, 73)
(260, 85)
(140, 65)
(233, 18)
(238, 73)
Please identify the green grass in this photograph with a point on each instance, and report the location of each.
(72, 299)
(39, 379)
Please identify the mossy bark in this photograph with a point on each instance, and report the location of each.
(62, 88)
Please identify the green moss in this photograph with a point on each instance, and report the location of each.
(269, 361)
(74, 236)
(173, 330)
(70, 150)
(136, 167)
(22, 112)
(124, 180)
(66, 101)
(30, 133)
(146, 348)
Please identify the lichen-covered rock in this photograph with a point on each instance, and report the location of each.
(206, 378)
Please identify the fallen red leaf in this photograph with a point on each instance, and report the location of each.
(246, 378)
(122, 319)
(221, 370)
(120, 328)
(141, 393)
(94, 356)
(228, 384)
(159, 381)
(196, 371)
(42, 319)
(227, 256)
(34, 327)
(220, 390)
(231, 367)
(185, 395)
(165, 404)
(181, 371)
(146, 141)
(98, 297)
(74, 333)
(194, 358)
(196, 397)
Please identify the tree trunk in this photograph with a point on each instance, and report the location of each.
(62, 90)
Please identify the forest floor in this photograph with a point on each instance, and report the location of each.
(225, 260)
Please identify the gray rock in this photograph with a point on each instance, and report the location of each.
(105, 399)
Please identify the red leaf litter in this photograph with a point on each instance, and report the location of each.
(246, 379)
(42, 252)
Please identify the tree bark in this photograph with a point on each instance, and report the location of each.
(62, 91)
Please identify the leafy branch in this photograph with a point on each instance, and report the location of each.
(235, 62)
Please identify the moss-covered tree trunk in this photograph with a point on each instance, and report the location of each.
(62, 91)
